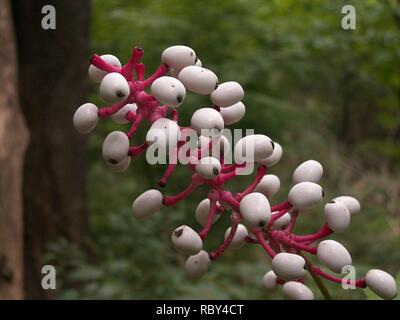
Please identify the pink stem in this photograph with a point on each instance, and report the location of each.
(281, 206)
(170, 168)
(323, 232)
(175, 115)
(226, 196)
(137, 150)
(228, 168)
(140, 69)
(172, 200)
(358, 283)
(261, 240)
(224, 177)
(276, 216)
(108, 111)
(99, 63)
(130, 116)
(260, 174)
(210, 219)
(135, 125)
(292, 222)
(157, 74)
(235, 219)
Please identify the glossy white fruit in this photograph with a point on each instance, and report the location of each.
(269, 185)
(115, 147)
(168, 91)
(114, 88)
(85, 118)
(352, 204)
(310, 170)
(121, 166)
(208, 167)
(234, 113)
(281, 222)
(274, 158)
(253, 148)
(294, 290)
(147, 204)
(269, 281)
(334, 255)
(207, 119)
(198, 63)
(337, 216)
(255, 210)
(186, 241)
(96, 74)
(202, 211)
(239, 238)
(227, 94)
(198, 80)
(382, 283)
(305, 195)
(120, 116)
(288, 266)
(196, 266)
(165, 133)
(178, 57)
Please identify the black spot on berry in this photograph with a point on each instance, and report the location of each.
(261, 224)
(179, 99)
(178, 233)
(120, 94)
(215, 171)
(112, 161)
(331, 201)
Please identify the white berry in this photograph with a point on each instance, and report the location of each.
(310, 170)
(288, 266)
(274, 158)
(164, 133)
(114, 88)
(208, 167)
(198, 80)
(269, 185)
(337, 216)
(253, 148)
(115, 147)
(281, 222)
(382, 283)
(352, 204)
(121, 166)
(178, 57)
(186, 241)
(269, 281)
(196, 266)
(294, 290)
(227, 94)
(147, 204)
(85, 118)
(233, 114)
(305, 195)
(168, 91)
(96, 74)
(202, 211)
(120, 116)
(239, 239)
(255, 210)
(207, 119)
(334, 255)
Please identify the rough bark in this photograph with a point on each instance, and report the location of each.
(13, 141)
(53, 78)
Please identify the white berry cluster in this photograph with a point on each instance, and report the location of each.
(254, 219)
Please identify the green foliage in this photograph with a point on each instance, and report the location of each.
(323, 92)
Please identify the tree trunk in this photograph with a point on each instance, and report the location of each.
(53, 78)
(13, 141)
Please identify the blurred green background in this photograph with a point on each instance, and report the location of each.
(322, 92)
